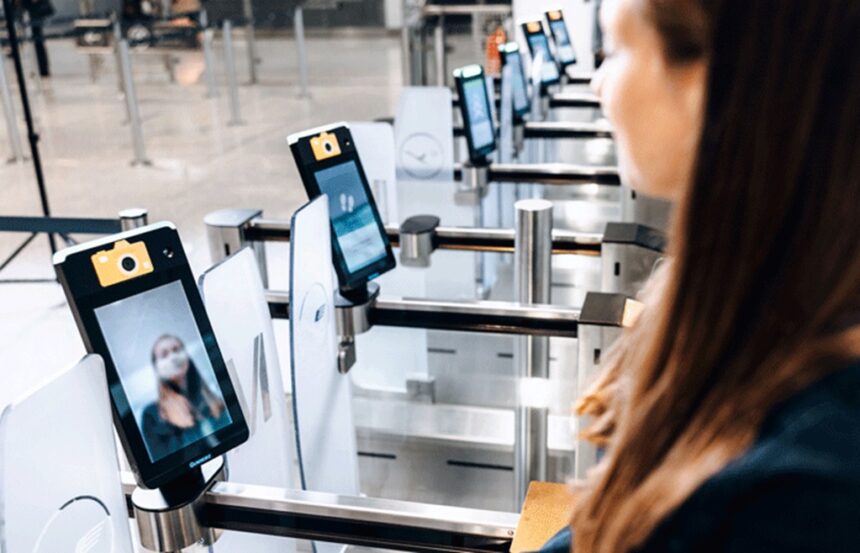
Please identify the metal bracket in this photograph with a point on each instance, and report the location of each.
(417, 240)
(169, 519)
(352, 318)
(474, 185)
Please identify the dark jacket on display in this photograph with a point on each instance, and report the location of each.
(797, 489)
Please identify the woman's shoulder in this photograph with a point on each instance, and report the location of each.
(796, 489)
(818, 430)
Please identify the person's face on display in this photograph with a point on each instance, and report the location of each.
(171, 359)
(655, 106)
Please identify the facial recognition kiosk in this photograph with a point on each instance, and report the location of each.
(541, 53)
(174, 406)
(563, 45)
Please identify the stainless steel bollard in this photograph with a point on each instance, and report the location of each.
(9, 113)
(225, 231)
(131, 103)
(232, 84)
(251, 37)
(117, 36)
(532, 284)
(299, 22)
(439, 52)
(133, 217)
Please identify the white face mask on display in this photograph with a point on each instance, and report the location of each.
(172, 366)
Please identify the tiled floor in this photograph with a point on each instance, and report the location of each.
(199, 163)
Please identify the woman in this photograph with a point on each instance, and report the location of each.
(186, 409)
(730, 413)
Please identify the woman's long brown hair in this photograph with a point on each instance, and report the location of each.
(762, 295)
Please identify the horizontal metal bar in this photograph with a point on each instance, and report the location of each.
(558, 100)
(486, 317)
(557, 130)
(564, 242)
(433, 10)
(350, 520)
(573, 100)
(59, 225)
(478, 316)
(450, 238)
(553, 173)
(566, 130)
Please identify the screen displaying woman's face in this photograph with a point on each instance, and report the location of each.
(171, 359)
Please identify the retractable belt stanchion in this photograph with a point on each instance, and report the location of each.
(11, 118)
(232, 82)
(208, 57)
(132, 105)
(301, 51)
(32, 135)
(251, 38)
(532, 285)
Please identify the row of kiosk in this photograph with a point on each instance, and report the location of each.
(193, 370)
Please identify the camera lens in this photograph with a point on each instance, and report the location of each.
(168, 253)
(128, 263)
(328, 147)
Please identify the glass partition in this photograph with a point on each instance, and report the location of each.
(59, 481)
(236, 303)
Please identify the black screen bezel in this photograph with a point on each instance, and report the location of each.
(507, 51)
(85, 295)
(478, 156)
(308, 167)
(525, 27)
(549, 22)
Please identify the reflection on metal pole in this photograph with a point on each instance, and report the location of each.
(439, 52)
(299, 22)
(9, 113)
(131, 103)
(532, 272)
(133, 217)
(251, 37)
(232, 84)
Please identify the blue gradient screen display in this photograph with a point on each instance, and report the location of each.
(540, 44)
(355, 227)
(480, 119)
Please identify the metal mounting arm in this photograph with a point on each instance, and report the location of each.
(348, 520)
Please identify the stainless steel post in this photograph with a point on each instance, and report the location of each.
(251, 37)
(225, 231)
(9, 113)
(117, 36)
(299, 22)
(209, 64)
(532, 281)
(439, 52)
(230, 66)
(132, 218)
(131, 103)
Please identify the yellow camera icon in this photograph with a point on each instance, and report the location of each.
(325, 146)
(534, 26)
(124, 262)
(554, 15)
